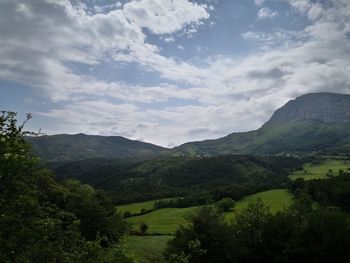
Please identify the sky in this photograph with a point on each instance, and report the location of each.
(167, 71)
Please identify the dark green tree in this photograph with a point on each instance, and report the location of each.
(209, 228)
(225, 205)
(33, 228)
(143, 228)
(249, 226)
(35, 225)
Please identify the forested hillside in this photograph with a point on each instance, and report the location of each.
(177, 176)
(300, 137)
(66, 147)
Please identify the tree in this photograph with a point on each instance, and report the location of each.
(249, 226)
(329, 173)
(95, 211)
(32, 225)
(35, 225)
(327, 237)
(225, 205)
(207, 226)
(143, 228)
(194, 251)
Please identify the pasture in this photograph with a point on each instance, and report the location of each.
(147, 249)
(165, 221)
(319, 170)
(136, 208)
(275, 199)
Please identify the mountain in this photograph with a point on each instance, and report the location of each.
(65, 147)
(324, 107)
(316, 122)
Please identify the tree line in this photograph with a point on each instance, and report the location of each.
(299, 233)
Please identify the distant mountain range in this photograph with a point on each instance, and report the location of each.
(316, 122)
(65, 147)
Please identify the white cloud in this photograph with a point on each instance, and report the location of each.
(315, 11)
(106, 8)
(56, 32)
(266, 12)
(312, 10)
(222, 94)
(259, 2)
(180, 47)
(164, 17)
(169, 39)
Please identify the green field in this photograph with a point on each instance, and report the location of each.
(147, 249)
(166, 221)
(136, 208)
(318, 171)
(162, 221)
(275, 199)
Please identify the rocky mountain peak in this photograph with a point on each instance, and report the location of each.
(324, 107)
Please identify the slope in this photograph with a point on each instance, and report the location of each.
(65, 147)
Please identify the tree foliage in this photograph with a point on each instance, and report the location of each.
(37, 219)
(296, 234)
(225, 204)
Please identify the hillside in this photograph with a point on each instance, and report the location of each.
(65, 147)
(178, 176)
(318, 122)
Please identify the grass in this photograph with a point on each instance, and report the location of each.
(147, 249)
(135, 208)
(163, 221)
(275, 199)
(318, 171)
(166, 221)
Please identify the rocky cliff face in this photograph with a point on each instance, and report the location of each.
(324, 107)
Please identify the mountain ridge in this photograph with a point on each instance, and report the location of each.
(310, 123)
(64, 147)
(324, 106)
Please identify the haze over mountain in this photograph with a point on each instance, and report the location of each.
(312, 122)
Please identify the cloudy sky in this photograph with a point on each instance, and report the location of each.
(167, 71)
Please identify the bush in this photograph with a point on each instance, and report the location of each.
(225, 205)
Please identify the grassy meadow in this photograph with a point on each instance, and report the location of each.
(165, 221)
(319, 170)
(136, 208)
(147, 249)
(275, 199)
